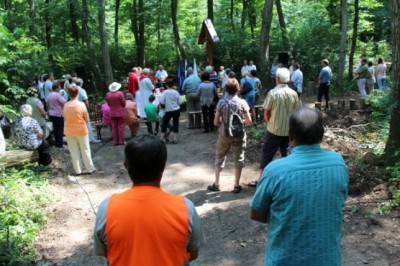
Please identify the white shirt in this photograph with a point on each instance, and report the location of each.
(161, 75)
(297, 79)
(381, 71)
(171, 99)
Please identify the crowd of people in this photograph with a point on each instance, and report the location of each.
(300, 196)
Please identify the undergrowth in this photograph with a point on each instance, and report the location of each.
(23, 195)
(381, 104)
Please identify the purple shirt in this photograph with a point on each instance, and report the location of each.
(55, 104)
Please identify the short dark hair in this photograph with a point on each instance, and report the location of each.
(169, 82)
(55, 86)
(205, 76)
(253, 72)
(305, 126)
(152, 98)
(370, 63)
(145, 159)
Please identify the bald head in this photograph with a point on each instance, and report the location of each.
(305, 126)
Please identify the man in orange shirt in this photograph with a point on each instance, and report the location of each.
(145, 225)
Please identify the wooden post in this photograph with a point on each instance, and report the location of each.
(341, 104)
(332, 106)
(352, 104)
(318, 105)
(363, 104)
(210, 53)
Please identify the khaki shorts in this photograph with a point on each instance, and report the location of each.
(224, 144)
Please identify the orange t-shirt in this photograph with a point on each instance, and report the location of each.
(75, 118)
(147, 226)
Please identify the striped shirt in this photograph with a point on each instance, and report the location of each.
(281, 102)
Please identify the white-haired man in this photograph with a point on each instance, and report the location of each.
(278, 106)
(161, 74)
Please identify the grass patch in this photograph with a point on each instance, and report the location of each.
(23, 195)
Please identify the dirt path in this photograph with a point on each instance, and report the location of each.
(233, 239)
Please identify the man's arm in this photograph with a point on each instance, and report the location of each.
(258, 216)
(267, 115)
(217, 119)
(197, 238)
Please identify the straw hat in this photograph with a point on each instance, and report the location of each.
(114, 86)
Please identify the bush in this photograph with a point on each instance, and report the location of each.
(23, 194)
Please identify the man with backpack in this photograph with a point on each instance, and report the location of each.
(231, 117)
(278, 106)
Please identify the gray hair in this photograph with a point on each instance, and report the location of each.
(189, 71)
(129, 96)
(209, 69)
(283, 74)
(26, 109)
(146, 71)
(79, 82)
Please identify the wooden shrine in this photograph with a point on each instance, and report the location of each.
(208, 36)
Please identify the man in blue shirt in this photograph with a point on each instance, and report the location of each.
(324, 80)
(301, 197)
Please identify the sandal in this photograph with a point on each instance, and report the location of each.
(252, 183)
(213, 187)
(237, 189)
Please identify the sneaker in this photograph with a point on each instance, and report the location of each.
(95, 141)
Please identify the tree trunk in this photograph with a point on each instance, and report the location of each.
(392, 149)
(343, 43)
(104, 44)
(282, 25)
(32, 17)
(231, 14)
(73, 18)
(210, 10)
(265, 68)
(252, 14)
(138, 30)
(160, 13)
(116, 24)
(244, 12)
(353, 39)
(98, 82)
(175, 29)
(48, 27)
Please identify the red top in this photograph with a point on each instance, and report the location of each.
(133, 83)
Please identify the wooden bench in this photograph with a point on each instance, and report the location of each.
(19, 157)
(97, 118)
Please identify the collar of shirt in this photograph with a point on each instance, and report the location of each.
(306, 148)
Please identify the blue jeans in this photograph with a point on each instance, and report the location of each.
(381, 83)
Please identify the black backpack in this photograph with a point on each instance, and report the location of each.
(234, 126)
(247, 87)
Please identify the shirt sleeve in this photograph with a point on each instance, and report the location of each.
(39, 104)
(99, 236)
(262, 198)
(268, 102)
(196, 238)
(83, 94)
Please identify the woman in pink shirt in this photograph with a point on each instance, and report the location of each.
(76, 132)
(116, 101)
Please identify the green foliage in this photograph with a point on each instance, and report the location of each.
(380, 102)
(255, 133)
(23, 195)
